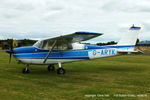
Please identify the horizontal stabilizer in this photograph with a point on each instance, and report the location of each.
(130, 52)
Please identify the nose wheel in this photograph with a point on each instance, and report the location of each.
(51, 68)
(26, 70)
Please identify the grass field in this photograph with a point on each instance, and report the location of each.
(126, 75)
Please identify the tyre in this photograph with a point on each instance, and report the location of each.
(25, 71)
(60, 71)
(51, 68)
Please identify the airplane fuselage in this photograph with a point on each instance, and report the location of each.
(34, 55)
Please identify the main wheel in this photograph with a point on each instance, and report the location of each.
(25, 71)
(51, 68)
(60, 71)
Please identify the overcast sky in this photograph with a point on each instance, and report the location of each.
(37, 19)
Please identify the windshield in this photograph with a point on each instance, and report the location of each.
(38, 44)
(47, 45)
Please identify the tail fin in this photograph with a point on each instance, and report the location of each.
(130, 38)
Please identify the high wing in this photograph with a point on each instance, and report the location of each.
(71, 38)
(76, 37)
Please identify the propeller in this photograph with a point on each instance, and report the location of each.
(11, 50)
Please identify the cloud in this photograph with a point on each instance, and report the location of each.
(127, 6)
(49, 18)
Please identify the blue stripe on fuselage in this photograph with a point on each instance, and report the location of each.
(55, 55)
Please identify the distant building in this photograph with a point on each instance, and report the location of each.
(4, 45)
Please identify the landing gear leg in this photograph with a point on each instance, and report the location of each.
(60, 70)
(51, 68)
(26, 70)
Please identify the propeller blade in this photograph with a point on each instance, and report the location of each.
(11, 45)
(10, 57)
(11, 50)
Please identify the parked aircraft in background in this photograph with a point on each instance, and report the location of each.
(67, 48)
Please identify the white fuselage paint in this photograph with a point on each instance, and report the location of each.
(49, 61)
(77, 46)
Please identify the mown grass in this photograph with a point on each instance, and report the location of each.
(128, 74)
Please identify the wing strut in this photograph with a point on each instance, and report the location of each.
(50, 51)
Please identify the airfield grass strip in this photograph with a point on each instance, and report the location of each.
(127, 74)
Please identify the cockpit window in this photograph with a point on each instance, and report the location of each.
(47, 45)
(38, 44)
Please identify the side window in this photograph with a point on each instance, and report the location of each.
(67, 46)
(47, 44)
(63, 47)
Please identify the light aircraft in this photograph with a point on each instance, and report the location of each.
(68, 48)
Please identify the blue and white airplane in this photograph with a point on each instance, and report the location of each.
(67, 48)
